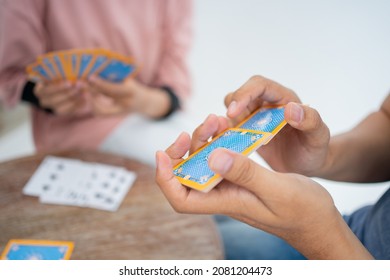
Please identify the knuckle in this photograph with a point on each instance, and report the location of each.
(257, 79)
(228, 99)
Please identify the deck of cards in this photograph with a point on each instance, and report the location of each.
(256, 130)
(79, 64)
(77, 183)
(26, 249)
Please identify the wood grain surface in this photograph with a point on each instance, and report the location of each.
(144, 227)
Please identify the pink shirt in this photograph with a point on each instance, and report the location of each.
(157, 33)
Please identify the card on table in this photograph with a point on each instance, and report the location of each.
(256, 130)
(73, 182)
(26, 249)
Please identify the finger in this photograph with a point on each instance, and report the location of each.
(54, 100)
(113, 90)
(185, 200)
(257, 90)
(179, 148)
(212, 126)
(244, 172)
(202, 133)
(68, 107)
(41, 89)
(307, 120)
(103, 107)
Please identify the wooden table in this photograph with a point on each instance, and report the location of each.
(144, 227)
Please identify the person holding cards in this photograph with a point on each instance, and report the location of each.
(299, 214)
(98, 111)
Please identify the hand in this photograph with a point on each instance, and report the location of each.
(301, 147)
(290, 206)
(64, 99)
(127, 97)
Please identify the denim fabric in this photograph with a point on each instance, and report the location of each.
(243, 242)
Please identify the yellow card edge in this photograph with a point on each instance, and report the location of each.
(70, 245)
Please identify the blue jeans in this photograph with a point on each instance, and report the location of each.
(243, 242)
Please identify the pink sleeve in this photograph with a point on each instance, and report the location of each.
(173, 70)
(22, 39)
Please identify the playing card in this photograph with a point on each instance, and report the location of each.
(51, 67)
(266, 119)
(69, 188)
(48, 173)
(20, 249)
(79, 64)
(116, 71)
(85, 61)
(38, 70)
(76, 183)
(108, 186)
(264, 123)
(195, 172)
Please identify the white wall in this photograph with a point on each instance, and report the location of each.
(334, 54)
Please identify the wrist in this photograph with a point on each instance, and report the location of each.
(155, 102)
(332, 239)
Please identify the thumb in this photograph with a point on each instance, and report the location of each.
(305, 119)
(243, 172)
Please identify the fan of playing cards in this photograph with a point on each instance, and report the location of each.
(79, 64)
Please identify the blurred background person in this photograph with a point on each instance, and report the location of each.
(126, 118)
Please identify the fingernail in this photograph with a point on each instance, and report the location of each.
(296, 112)
(232, 107)
(221, 161)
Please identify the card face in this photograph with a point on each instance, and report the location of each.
(46, 176)
(108, 186)
(19, 249)
(195, 171)
(73, 182)
(256, 130)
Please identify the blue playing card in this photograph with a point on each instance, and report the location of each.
(41, 70)
(37, 250)
(49, 66)
(196, 168)
(266, 120)
(60, 68)
(99, 61)
(116, 71)
(85, 60)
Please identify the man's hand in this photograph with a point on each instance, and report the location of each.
(301, 147)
